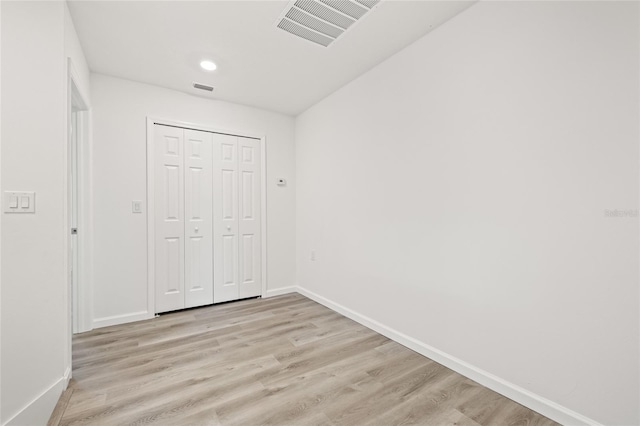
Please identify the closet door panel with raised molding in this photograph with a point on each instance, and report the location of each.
(225, 218)
(198, 191)
(169, 218)
(250, 282)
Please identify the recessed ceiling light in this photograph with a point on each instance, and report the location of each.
(208, 65)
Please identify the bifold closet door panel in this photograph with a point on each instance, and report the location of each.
(198, 209)
(225, 218)
(249, 227)
(169, 218)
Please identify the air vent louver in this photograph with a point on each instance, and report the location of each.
(368, 3)
(309, 21)
(203, 87)
(322, 21)
(304, 32)
(354, 10)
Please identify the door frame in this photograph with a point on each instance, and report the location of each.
(81, 293)
(150, 201)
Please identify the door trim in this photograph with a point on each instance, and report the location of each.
(151, 122)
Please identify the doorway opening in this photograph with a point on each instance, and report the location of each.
(77, 216)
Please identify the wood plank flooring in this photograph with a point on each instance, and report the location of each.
(280, 361)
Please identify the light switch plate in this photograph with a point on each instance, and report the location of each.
(136, 206)
(19, 202)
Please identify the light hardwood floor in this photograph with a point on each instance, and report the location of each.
(280, 361)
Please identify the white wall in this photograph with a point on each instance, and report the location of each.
(35, 338)
(455, 194)
(120, 108)
(34, 305)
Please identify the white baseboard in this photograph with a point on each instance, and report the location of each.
(38, 411)
(121, 319)
(280, 291)
(67, 378)
(529, 399)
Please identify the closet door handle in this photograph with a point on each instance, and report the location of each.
(228, 227)
(197, 229)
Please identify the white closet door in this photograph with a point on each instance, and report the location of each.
(198, 219)
(249, 217)
(225, 218)
(169, 218)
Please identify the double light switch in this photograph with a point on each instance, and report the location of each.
(19, 202)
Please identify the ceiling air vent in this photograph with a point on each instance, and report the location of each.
(203, 87)
(323, 21)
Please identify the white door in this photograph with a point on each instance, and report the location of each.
(236, 218)
(207, 218)
(199, 217)
(225, 218)
(73, 198)
(169, 218)
(249, 217)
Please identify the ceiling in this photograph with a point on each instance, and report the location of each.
(163, 42)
